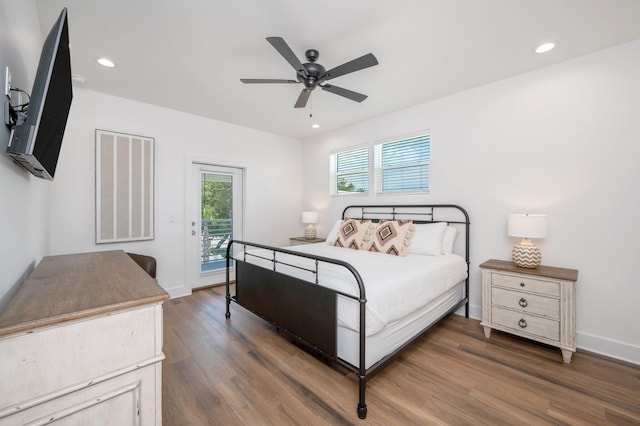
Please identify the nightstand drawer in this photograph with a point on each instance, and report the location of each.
(523, 323)
(525, 302)
(549, 288)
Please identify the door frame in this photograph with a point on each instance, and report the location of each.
(191, 161)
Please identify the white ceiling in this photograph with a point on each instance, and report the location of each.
(189, 55)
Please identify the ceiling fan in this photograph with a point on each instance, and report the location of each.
(313, 75)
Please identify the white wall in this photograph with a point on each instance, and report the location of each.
(561, 141)
(24, 229)
(272, 182)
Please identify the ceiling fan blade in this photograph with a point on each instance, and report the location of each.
(283, 48)
(265, 80)
(358, 64)
(354, 96)
(303, 98)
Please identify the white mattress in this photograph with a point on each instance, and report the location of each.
(396, 287)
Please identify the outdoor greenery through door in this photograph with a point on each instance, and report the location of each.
(216, 212)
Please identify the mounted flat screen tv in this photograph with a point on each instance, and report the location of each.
(35, 142)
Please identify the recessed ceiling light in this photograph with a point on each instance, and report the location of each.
(545, 47)
(315, 125)
(106, 62)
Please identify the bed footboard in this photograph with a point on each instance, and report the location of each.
(306, 310)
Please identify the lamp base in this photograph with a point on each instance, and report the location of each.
(310, 232)
(526, 255)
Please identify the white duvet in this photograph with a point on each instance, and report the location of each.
(395, 286)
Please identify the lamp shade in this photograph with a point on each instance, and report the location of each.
(527, 225)
(309, 217)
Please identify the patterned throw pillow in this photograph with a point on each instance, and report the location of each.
(393, 237)
(354, 234)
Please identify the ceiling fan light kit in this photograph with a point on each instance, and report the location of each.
(313, 75)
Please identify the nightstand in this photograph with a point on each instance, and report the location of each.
(297, 241)
(537, 303)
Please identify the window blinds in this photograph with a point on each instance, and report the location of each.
(403, 165)
(350, 171)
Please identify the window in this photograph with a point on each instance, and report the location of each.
(403, 165)
(350, 171)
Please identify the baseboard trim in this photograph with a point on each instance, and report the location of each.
(608, 347)
(475, 312)
(176, 292)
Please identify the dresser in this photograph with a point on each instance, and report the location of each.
(81, 343)
(537, 303)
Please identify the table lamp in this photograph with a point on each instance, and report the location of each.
(525, 253)
(310, 218)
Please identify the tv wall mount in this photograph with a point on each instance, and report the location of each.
(14, 114)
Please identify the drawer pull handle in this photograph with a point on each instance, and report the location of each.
(521, 284)
(523, 302)
(522, 323)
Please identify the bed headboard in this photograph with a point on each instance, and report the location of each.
(420, 213)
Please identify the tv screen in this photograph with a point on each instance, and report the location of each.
(35, 143)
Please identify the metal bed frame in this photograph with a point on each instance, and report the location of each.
(308, 311)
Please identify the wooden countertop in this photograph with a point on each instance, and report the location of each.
(68, 287)
(546, 271)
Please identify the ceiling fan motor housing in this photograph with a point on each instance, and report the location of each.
(314, 70)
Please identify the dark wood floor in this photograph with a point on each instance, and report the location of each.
(241, 372)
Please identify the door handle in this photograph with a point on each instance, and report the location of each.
(193, 232)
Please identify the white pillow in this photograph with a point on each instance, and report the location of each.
(427, 238)
(450, 234)
(332, 236)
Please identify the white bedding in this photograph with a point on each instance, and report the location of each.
(395, 335)
(395, 286)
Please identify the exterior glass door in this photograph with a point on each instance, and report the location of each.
(217, 219)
